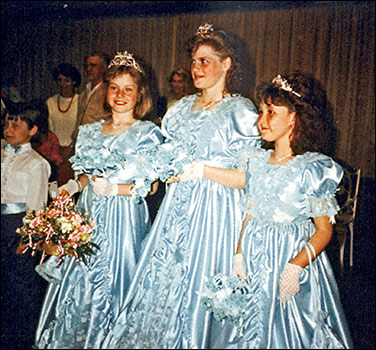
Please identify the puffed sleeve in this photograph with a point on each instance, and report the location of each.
(321, 178)
(37, 189)
(91, 155)
(78, 160)
(243, 130)
(252, 156)
(150, 137)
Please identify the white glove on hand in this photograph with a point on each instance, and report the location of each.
(192, 171)
(238, 266)
(53, 189)
(71, 187)
(105, 188)
(289, 284)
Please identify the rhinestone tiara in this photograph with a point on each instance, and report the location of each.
(284, 85)
(125, 59)
(205, 29)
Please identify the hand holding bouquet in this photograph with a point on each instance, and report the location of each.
(58, 230)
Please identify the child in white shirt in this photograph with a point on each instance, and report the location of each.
(24, 186)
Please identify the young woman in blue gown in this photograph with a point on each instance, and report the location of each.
(197, 227)
(293, 300)
(83, 301)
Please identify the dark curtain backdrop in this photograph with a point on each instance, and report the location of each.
(332, 40)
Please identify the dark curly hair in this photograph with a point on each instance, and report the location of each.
(313, 130)
(225, 45)
(69, 71)
(144, 102)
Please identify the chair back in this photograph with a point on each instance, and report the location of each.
(347, 197)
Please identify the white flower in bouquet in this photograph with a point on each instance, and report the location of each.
(226, 297)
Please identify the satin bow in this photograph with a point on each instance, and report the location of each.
(15, 148)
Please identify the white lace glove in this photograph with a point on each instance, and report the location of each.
(238, 266)
(72, 187)
(105, 188)
(192, 171)
(289, 284)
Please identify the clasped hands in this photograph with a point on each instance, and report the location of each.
(289, 284)
(190, 172)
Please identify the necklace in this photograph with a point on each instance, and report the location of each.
(282, 158)
(207, 106)
(118, 126)
(58, 104)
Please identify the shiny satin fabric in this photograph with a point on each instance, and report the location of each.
(282, 197)
(82, 301)
(12, 208)
(194, 234)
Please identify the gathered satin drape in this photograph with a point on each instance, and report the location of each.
(333, 40)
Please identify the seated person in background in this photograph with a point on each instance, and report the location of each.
(24, 186)
(62, 115)
(47, 144)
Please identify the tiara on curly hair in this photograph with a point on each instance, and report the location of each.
(205, 30)
(284, 85)
(125, 59)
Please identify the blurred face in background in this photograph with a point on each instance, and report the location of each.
(66, 85)
(95, 70)
(178, 84)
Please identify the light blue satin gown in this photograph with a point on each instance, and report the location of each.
(284, 199)
(83, 301)
(194, 233)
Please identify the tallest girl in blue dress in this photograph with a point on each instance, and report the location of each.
(196, 230)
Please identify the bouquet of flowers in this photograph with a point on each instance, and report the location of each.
(226, 297)
(58, 230)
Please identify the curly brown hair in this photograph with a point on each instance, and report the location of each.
(144, 102)
(225, 45)
(312, 130)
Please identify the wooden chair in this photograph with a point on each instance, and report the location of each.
(347, 197)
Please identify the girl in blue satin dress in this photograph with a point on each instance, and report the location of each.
(293, 300)
(111, 165)
(197, 227)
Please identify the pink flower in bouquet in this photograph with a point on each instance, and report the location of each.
(84, 229)
(39, 213)
(76, 219)
(58, 230)
(52, 214)
(35, 223)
